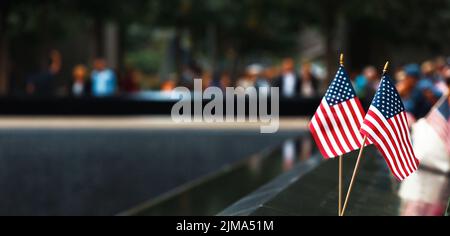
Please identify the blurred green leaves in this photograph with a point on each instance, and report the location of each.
(245, 26)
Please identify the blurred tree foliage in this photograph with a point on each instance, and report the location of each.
(239, 27)
(249, 25)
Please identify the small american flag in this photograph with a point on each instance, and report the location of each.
(335, 125)
(387, 127)
(439, 120)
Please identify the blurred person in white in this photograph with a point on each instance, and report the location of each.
(80, 87)
(254, 78)
(289, 153)
(288, 81)
(427, 191)
(252, 74)
(309, 86)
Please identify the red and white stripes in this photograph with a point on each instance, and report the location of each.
(336, 128)
(392, 138)
(439, 124)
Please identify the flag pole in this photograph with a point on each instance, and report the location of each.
(341, 63)
(355, 171)
(439, 102)
(340, 186)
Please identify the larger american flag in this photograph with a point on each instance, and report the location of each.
(386, 126)
(439, 119)
(336, 123)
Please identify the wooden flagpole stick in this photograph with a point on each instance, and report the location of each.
(340, 186)
(355, 171)
(439, 102)
(341, 62)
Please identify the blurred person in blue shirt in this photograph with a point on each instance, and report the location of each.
(418, 94)
(430, 71)
(367, 82)
(103, 79)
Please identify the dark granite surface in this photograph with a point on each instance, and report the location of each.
(104, 172)
(212, 194)
(316, 192)
(155, 172)
(290, 180)
(375, 192)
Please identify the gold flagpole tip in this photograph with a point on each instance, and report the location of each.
(385, 67)
(341, 60)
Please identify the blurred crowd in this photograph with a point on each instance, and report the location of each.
(423, 88)
(293, 80)
(99, 81)
(419, 85)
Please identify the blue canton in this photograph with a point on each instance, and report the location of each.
(387, 100)
(340, 89)
(444, 109)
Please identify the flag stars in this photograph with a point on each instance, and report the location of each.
(340, 89)
(387, 99)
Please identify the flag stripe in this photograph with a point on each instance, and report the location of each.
(328, 141)
(403, 145)
(335, 128)
(448, 137)
(384, 141)
(404, 138)
(438, 122)
(322, 131)
(350, 136)
(392, 139)
(319, 138)
(326, 131)
(405, 125)
(338, 128)
(370, 133)
(354, 123)
(357, 107)
(328, 126)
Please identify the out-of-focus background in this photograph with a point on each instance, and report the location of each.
(156, 45)
(86, 93)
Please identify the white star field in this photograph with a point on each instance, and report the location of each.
(340, 89)
(387, 99)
